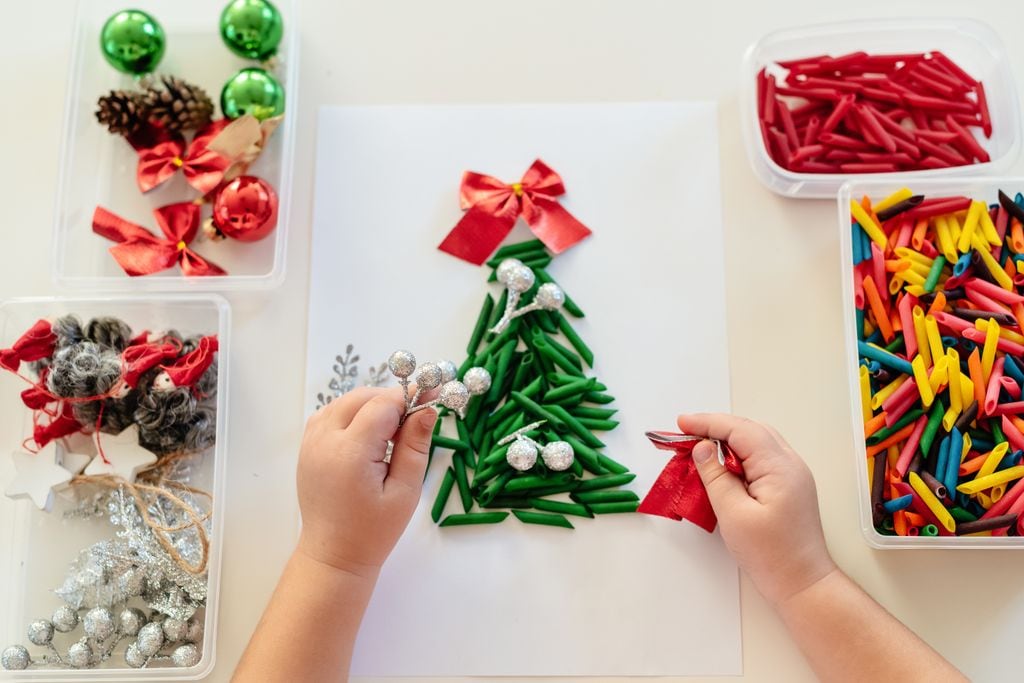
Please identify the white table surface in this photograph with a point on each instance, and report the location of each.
(785, 363)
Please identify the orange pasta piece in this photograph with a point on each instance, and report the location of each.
(972, 465)
(977, 376)
(878, 309)
(915, 519)
(938, 304)
(874, 424)
(918, 236)
(899, 523)
(1016, 236)
(891, 441)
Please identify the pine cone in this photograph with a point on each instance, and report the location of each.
(123, 112)
(179, 106)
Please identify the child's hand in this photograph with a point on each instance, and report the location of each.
(354, 505)
(772, 525)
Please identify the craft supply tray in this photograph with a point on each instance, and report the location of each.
(38, 547)
(973, 45)
(98, 168)
(978, 188)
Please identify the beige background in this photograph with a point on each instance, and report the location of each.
(781, 255)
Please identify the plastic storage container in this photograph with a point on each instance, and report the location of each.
(971, 44)
(98, 168)
(978, 188)
(38, 546)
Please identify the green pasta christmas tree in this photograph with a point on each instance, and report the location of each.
(539, 365)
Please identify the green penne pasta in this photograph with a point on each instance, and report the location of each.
(570, 306)
(534, 388)
(516, 250)
(462, 481)
(499, 308)
(560, 507)
(500, 340)
(484, 476)
(442, 494)
(552, 490)
(598, 425)
(576, 468)
(575, 426)
(569, 390)
(466, 365)
(463, 431)
(545, 322)
(536, 262)
(548, 353)
(568, 354)
(494, 488)
(504, 358)
(596, 413)
(509, 502)
(574, 338)
(612, 508)
(447, 442)
(495, 456)
(544, 518)
(511, 423)
(474, 518)
(476, 436)
(611, 465)
(524, 369)
(586, 455)
(480, 328)
(605, 481)
(534, 481)
(605, 496)
(501, 414)
(598, 397)
(539, 412)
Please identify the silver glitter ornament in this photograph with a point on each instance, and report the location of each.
(40, 632)
(130, 621)
(195, 630)
(521, 455)
(186, 656)
(79, 655)
(151, 639)
(429, 376)
(98, 623)
(132, 582)
(550, 297)
(477, 381)
(133, 656)
(449, 371)
(15, 658)
(520, 279)
(175, 630)
(558, 455)
(65, 618)
(454, 396)
(402, 364)
(506, 268)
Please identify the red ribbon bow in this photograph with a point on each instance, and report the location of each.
(679, 492)
(492, 208)
(36, 344)
(203, 168)
(140, 252)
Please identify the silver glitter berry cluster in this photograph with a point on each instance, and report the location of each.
(346, 377)
(453, 394)
(126, 589)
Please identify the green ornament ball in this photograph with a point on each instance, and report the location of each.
(252, 91)
(133, 42)
(251, 28)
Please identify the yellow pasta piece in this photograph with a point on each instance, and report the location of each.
(988, 351)
(868, 224)
(885, 392)
(929, 499)
(893, 199)
(993, 459)
(924, 386)
(865, 393)
(1001, 477)
(922, 336)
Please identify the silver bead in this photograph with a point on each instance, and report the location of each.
(133, 656)
(195, 630)
(65, 618)
(131, 620)
(79, 655)
(131, 583)
(151, 638)
(521, 455)
(402, 364)
(186, 656)
(448, 370)
(520, 279)
(506, 268)
(477, 381)
(15, 658)
(429, 376)
(454, 396)
(550, 297)
(98, 623)
(175, 629)
(40, 632)
(558, 455)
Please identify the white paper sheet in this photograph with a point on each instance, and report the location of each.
(622, 594)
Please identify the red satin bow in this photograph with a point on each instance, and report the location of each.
(140, 252)
(679, 492)
(492, 208)
(203, 169)
(37, 343)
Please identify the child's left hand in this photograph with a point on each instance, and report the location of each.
(354, 505)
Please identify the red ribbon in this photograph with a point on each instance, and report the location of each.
(203, 169)
(140, 252)
(37, 343)
(493, 206)
(679, 493)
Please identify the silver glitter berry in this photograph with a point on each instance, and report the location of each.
(506, 268)
(134, 657)
(151, 639)
(175, 630)
(79, 655)
(550, 297)
(454, 396)
(65, 618)
(448, 370)
(40, 632)
(402, 364)
(520, 279)
(195, 630)
(429, 376)
(521, 455)
(477, 381)
(186, 656)
(132, 582)
(15, 658)
(558, 455)
(130, 621)
(98, 623)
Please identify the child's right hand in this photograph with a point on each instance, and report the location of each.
(771, 525)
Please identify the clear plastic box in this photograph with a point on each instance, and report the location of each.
(970, 43)
(39, 546)
(978, 188)
(97, 168)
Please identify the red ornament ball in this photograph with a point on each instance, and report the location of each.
(246, 209)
